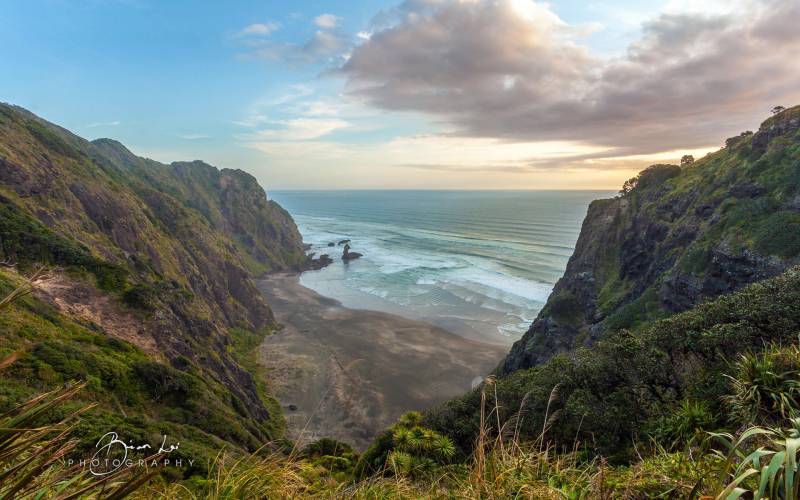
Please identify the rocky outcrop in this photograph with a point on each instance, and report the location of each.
(676, 237)
(323, 260)
(348, 255)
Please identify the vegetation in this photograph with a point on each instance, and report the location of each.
(617, 391)
(652, 176)
(662, 406)
(26, 241)
(133, 394)
(153, 287)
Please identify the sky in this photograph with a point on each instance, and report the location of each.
(441, 94)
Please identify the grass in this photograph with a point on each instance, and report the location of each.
(501, 466)
(33, 448)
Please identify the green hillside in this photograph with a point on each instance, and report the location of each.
(149, 292)
(675, 237)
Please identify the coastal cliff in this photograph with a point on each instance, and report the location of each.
(677, 236)
(689, 269)
(162, 257)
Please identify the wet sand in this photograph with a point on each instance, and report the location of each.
(348, 373)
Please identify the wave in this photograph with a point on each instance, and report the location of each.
(455, 259)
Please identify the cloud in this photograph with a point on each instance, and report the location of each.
(103, 124)
(513, 70)
(259, 29)
(193, 137)
(301, 129)
(434, 161)
(323, 46)
(327, 21)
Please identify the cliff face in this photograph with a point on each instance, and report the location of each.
(680, 236)
(176, 244)
(231, 201)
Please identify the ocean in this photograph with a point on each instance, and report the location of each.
(478, 263)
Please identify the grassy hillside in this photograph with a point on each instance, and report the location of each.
(151, 266)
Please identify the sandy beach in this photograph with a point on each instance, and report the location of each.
(348, 373)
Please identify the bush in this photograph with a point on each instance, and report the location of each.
(688, 423)
(653, 175)
(408, 449)
(765, 386)
(141, 296)
(163, 382)
(779, 235)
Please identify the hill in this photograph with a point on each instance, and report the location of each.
(150, 290)
(687, 269)
(675, 237)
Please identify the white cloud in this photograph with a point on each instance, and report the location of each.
(327, 21)
(104, 124)
(259, 29)
(302, 129)
(323, 46)
(193, 137)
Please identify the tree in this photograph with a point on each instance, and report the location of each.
(628, 186)
(687, 160)
(778, 109)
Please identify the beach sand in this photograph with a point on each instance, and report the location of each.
(348, 374)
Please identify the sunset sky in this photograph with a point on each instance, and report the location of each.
(420, 94)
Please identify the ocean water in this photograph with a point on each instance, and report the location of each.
(478, 263)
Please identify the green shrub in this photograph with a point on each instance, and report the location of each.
(765, 386)
(688, 423)
(779, 235)
(613, 392)
(760, 463)
(141, 296)
(164, 383)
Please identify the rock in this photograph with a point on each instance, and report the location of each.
(348, 255)
(331, 244)
(343, 242)
(747, 190)
(315, 264)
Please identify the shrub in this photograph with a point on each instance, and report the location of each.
(688, 423)
(141, 296)
(765, 386)
(653, 175)
(163, 382)
(779, 235)
(28, 241)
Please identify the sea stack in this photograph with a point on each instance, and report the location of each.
(348, 255)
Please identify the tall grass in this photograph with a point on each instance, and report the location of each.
(33, 448)
(501, 467)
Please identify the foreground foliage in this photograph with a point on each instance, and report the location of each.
(33, 449)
